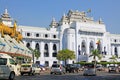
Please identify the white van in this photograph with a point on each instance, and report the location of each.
(7, 67)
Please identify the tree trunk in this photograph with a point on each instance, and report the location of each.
(65, 62)
(33, 58)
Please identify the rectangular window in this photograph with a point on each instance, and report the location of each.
(54, 36)
(46, 54)
(28, 34)
(46, 35)
(54, 54)
(3, 61)
(37, 35)
(46, 63)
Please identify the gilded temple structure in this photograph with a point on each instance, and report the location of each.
(11, 39)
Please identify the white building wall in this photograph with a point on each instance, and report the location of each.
(74, 23)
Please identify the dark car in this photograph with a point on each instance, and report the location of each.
(72, 68)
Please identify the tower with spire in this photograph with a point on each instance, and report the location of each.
(53, 23)
(6, 19)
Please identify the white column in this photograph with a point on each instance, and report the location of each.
(42, 59)
(33, 44)
(118, 51)
(42, 49)
(87, 47)
(50, 49)
(112, 50)
(61, 45)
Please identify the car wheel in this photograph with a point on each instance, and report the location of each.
(94, 74)
(84, 74)
(60, 73)
(33, 73)
(74, 71)
(21, 73)
(12, 76)
(51, 73)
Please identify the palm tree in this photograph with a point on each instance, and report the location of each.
(35, 53)
(113, 58)
(95, 54)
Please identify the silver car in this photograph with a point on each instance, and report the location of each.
(57, 68)
(89, 69)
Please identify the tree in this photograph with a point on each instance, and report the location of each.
(114, 59)
(65, 54)
(35, 53)
(95, 53)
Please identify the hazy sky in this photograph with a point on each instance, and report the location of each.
(40, 12)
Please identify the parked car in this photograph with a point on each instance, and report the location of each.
(112, 68)
(72, 68)
(89, 69)
(57, 68)
(7, 67)
(29, 69)
(99, 68)
(118, 68)
(36, 68)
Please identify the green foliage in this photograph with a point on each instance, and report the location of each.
(95, 53)
(35, 52)
(83, 62)
(114, 58)
(65, 55)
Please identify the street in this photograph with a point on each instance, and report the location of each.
(71, 76)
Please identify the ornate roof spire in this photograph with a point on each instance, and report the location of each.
(5, 14)
(6, 19)
(53, 23)
(6, 11)
(100, 21)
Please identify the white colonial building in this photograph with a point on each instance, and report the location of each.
(75, 31)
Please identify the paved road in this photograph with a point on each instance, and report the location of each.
(72, 76)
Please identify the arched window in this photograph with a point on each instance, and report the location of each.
(99, 47)
(28, 45)
(46, 51)
(54, 47)
(54, 51)
(116, 52)
(83, 47)
(37, 46)
(91, 47)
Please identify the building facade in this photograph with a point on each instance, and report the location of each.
(75, 31)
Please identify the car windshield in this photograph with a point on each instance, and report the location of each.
(27, 65)
(111, 66)
(89, 65)
(55, 65)
(98, 66)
